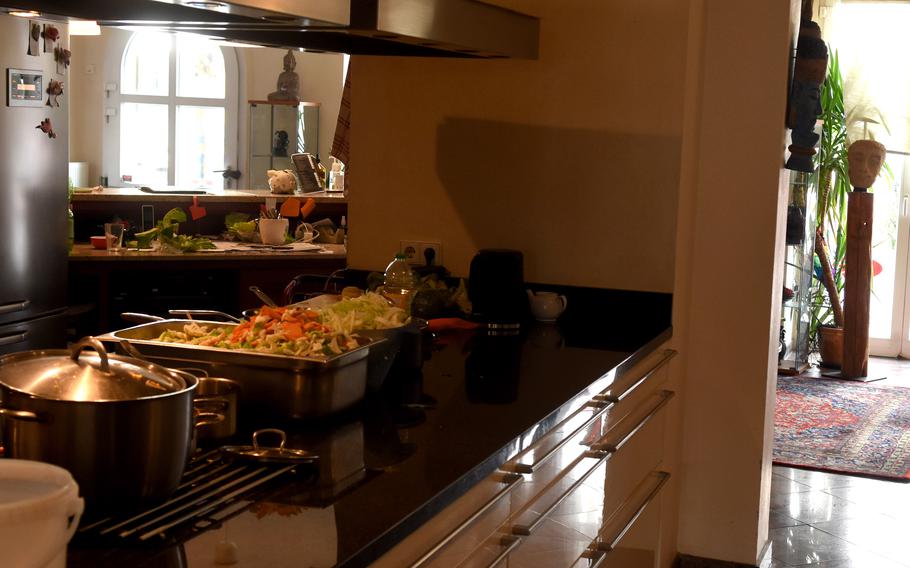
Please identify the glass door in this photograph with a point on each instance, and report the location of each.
(889, 318)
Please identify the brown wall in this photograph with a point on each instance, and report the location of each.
(572, 158)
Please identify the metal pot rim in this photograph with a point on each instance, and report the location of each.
(190, 381)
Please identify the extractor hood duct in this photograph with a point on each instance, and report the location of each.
(428, 28)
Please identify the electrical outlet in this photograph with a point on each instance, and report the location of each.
(436, 249)
(415, 251)
(411, 250)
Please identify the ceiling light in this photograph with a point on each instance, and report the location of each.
(84, 28)
(24, 13)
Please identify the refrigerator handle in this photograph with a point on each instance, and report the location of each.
(14, 338)
(14, 307)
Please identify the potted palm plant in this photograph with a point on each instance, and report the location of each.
(831, 220)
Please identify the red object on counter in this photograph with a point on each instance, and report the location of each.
(196, 212)
(446, 324)
(99, 243)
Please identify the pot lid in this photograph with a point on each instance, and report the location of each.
(77, 376)
(269, 454)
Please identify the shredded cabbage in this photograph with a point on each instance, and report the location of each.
(369, 311)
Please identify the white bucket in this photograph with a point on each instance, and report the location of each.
(40, 509)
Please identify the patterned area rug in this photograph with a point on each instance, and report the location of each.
(841, 426)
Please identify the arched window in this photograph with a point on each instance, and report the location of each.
(172, 116)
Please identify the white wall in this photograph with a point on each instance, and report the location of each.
(729, 268)
(572, 158)
(320, 81)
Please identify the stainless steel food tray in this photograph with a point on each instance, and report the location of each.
(145, 338)
(293, 387)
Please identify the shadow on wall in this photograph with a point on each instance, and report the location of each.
(611, 207)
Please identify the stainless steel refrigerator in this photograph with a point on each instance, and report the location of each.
(33, 192)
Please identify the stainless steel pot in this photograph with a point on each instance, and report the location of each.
(122, 427)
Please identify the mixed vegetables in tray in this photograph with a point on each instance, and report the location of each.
(296, 330)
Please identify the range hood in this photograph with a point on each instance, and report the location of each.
(427, 28)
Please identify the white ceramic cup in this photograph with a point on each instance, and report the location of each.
(272, 231)
(40, 509)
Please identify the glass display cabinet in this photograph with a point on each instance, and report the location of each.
(278, 130)
(795, 319)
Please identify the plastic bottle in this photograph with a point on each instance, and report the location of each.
(321, 174)
(399, 282)
(337, 176)
(70, 228)
(344, 231)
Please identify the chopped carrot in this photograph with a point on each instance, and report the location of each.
(292, 330)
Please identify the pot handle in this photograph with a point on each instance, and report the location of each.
(219, 403)
(23, 415)
(207, 418)
(76, 349)
(75, 509)
(281, 433)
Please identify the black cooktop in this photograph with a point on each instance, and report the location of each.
(410, 449)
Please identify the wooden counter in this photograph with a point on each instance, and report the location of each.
(131, 194)
(92, 210)
(103, 285)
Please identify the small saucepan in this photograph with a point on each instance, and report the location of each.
(219, 396)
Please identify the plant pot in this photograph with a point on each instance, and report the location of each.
(831, 346)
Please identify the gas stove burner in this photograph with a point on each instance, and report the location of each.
(212, 491)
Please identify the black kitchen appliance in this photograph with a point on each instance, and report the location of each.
(33, 178)
(496, 289)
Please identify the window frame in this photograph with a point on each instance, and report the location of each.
(118, 45)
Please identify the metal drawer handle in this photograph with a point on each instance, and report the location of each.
(14, 338)
(617, 526)
(516, 465)
(15, 307)
(508, 541)
(523, 529)
(631, 423)
(510, 481)
(608, 395)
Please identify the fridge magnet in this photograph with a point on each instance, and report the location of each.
(62, 57)
(34, 34)
(54, 90)
(51, 34)
(24, 87)
(47, 128)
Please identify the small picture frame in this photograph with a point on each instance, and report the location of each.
(24, 87)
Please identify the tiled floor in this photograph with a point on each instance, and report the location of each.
(826, 520)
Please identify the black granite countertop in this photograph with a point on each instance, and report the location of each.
(412, 448)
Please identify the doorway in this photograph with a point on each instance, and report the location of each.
(889, 325)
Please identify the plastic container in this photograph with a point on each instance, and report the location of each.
(336, 180)
(70, 230)
(399, 282)
(40, 509)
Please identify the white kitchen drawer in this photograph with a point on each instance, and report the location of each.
(611, 441)
(630, 536)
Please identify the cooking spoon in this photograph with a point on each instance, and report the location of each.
(263, 296)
